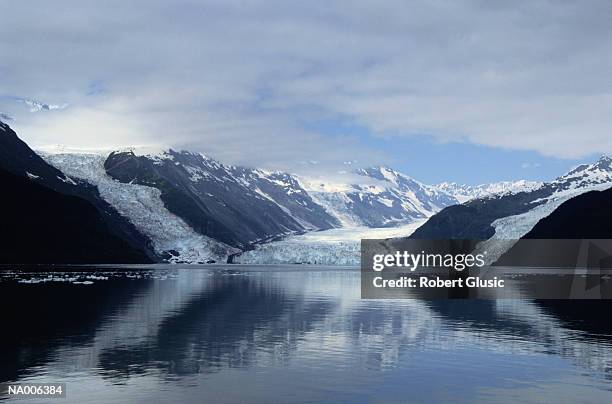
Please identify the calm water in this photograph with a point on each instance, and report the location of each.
(277, 335)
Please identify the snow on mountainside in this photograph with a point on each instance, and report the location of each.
(236, 205)
(55, 219)
(194, 208)
(512, 215)
(172, 238)
(586, 175)
(376, 197)
(464, 193)
(584, 178)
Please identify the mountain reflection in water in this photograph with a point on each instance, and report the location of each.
(233, 334)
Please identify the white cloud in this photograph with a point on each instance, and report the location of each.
(530, 165)
(239, 79)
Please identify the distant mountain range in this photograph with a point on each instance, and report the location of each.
(464, 193)
(377, 197)
(179, 206)
(512, 215)
(234, 208)
(383, 197)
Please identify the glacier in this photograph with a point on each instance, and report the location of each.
(142, 205)
(328, 247)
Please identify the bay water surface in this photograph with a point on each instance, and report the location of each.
(242, 334)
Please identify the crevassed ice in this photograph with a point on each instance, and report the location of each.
(339, 246)
(143, 206)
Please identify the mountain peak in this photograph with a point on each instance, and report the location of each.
(599, 172)
(604, 163)
(4, 117)
(464, 192)
(383, 173)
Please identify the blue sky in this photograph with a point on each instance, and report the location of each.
(430, 161)
(467, 163)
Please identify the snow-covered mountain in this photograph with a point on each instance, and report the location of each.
(586, 175)
(506, 210)
(235, 205)
(377, 197)
(584, 217)
(192, 207)
(464, 193)
(172, 238)
(377, 202)
(584, 178)
(512, 215)
(161, 204)
(196, 209)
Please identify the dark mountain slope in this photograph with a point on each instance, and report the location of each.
(586, 216)
(235, 205)
(474, 219)
(44, 226)
(22, 168)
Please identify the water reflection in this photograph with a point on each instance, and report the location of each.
(235, 322)
(297, 335)
(40, 319)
